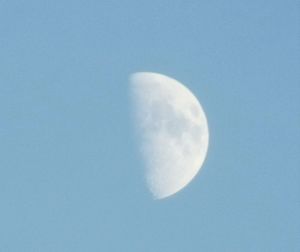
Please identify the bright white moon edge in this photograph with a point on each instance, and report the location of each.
(172, 129)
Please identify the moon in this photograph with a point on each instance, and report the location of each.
(172, 130)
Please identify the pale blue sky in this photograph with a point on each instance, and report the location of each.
(70, 176)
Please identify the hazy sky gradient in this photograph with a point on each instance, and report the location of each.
(70, 176)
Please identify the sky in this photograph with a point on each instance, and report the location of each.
(71, 178)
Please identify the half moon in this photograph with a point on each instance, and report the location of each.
(173, 131)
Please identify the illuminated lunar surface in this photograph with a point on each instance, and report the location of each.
(172, 129)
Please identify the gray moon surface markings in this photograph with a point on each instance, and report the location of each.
(172, 130)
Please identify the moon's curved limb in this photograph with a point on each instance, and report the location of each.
(173, 130)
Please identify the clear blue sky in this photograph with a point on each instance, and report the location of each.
(70, 176)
